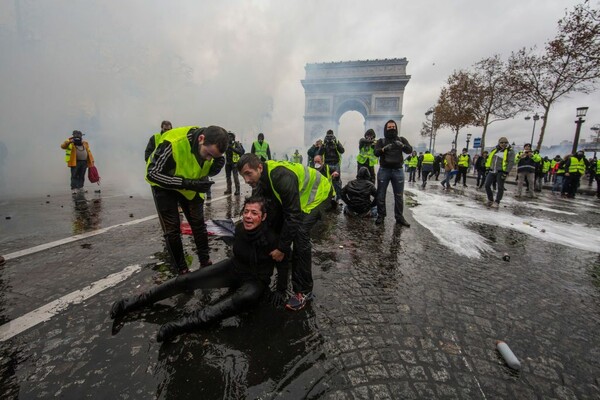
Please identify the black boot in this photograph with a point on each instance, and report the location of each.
(200, 319)
(228, 191)
(400, 219)
(124, 306)
(237, 190)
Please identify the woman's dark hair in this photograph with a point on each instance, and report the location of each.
(256, 200)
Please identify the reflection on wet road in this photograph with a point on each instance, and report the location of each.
(399, 313)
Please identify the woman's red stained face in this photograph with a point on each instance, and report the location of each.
(252, 216)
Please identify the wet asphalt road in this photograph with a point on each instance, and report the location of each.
(397, 314)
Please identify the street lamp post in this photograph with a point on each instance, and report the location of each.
(468, 140)
(453, 144)
(581, 111)
(536, 118)
(596, 128)
(432, 133)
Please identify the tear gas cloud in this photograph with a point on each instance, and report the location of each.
(114, 70)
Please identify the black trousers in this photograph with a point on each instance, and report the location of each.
(78, 174)
(302, 280)
(167, 202)
(229, 169)
(220, 275)
(462, 171)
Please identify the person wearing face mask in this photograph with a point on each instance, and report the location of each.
(575, 168)
(261, 148)
(79, 158)
(248, 273)
(178, 172)
(389, 149)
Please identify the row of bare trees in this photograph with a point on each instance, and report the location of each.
(494, 90)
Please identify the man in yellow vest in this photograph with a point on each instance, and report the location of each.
(178, 172)
(154, 139)
(366, 154)
(78, 157)
(498, 165)
(232, 155)
(575, 168)
(261, 148)
(299, 195)
(464, 162)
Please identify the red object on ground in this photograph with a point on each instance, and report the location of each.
(186, 229)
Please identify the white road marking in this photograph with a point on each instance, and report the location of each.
(53, 308)
(75, 238)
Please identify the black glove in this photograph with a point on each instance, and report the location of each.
(399, 143)
(387, 147)
(403, 140)
(197, 185)
(277, 298)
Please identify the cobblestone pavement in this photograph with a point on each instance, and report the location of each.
(396, 315)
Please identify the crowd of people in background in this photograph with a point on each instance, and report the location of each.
(289, 197)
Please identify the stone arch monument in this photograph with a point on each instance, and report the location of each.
(374, 88)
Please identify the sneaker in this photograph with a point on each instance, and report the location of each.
(379, 220)
(495, 205)
(298, 301)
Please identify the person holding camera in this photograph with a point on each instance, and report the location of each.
(78, 157)
(232, 155)
(332, 151)
(178, 172)
(313, 151)
(389, 150)
(525, 171)
(366, 154)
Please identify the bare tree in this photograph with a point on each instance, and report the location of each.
(496, 100)
(457, 103)
(568, 65)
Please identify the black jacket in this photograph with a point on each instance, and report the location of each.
(358, 192)
(251, 253)
(234, 147)
(392, 157)
(284, 215)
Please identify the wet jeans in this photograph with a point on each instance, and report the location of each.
(396, 177)
(167, 202)
(498, 178)
(78, 174)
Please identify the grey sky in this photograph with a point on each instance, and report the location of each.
(115, 69)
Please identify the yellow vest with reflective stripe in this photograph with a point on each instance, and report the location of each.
(598, 167)
(546, 166)
(413, 162)
(488, 162)
(577, 165)
(367, 153)
(261, 150)
(463, 160)
(428, 158)
(313, 187)
(186, 164)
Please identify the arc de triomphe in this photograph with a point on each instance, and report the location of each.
(374, 88)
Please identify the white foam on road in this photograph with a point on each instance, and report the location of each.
(448, 217)
(53, 308)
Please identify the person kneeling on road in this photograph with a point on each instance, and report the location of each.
(357, 195)
(248, 271)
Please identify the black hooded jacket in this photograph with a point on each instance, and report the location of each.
(358, 192)
(392, 156)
